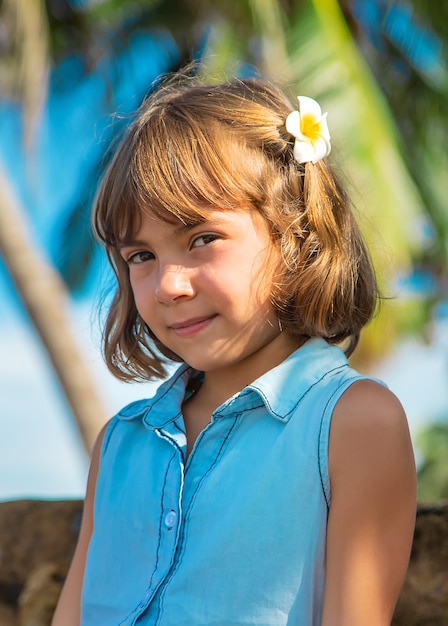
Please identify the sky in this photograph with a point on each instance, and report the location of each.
(41, 454)
(40, 450)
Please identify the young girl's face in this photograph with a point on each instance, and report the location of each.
(204, 290)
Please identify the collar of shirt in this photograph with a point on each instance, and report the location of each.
(280, 389)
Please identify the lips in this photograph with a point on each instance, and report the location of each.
(192, 326)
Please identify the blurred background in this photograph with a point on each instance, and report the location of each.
(72, 72)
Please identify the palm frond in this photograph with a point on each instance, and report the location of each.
(327, 64)
(26, 67)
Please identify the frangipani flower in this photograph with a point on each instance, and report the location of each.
(310, 129)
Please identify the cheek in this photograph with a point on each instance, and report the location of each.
(250, 289)
(143, 295)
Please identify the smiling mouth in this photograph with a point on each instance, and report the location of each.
(191, 327)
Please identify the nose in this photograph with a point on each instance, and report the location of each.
(173, 282)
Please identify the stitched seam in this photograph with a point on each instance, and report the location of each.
(108, 434)
(176, 377)
(139, 610)
(294, 408)
(178, 427)
(161, 516)
(340, 390)
(145, 406)
(183, 536)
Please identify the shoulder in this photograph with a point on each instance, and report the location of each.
(369, 430)
(367, 402)
(372, 511)
(367, 405)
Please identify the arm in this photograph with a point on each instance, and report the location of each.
(68, 610)
(373, 506)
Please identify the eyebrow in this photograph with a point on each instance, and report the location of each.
(124, 243)
(131, 241)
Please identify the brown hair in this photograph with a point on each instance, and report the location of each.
(193, 147)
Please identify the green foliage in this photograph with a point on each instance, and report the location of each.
(407, 51)
(387, 108)
(433, 471)
(387, 111)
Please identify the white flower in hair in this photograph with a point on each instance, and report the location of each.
(309, 127)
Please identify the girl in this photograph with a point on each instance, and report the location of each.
(266, 482)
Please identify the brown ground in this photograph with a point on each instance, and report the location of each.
(37, 539)
(424, 597)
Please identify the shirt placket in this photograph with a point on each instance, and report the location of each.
(170, 517)
(202, 460)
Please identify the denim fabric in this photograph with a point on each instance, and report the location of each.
(234, 536)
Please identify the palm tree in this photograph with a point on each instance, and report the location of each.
(320, 47)
(42, 291)
(45, 297)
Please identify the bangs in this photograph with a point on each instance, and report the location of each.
(184, 168)
(179, 164)
(194, 149)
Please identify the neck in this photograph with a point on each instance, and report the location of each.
(221, 384)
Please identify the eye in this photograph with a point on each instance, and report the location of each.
(204, 240)
(139, 257)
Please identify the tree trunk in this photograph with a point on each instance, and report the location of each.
(46, 301)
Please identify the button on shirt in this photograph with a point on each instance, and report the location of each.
(236, 535)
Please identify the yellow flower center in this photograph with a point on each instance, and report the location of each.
(310, 127)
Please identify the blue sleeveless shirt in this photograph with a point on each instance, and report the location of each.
(234, 536)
